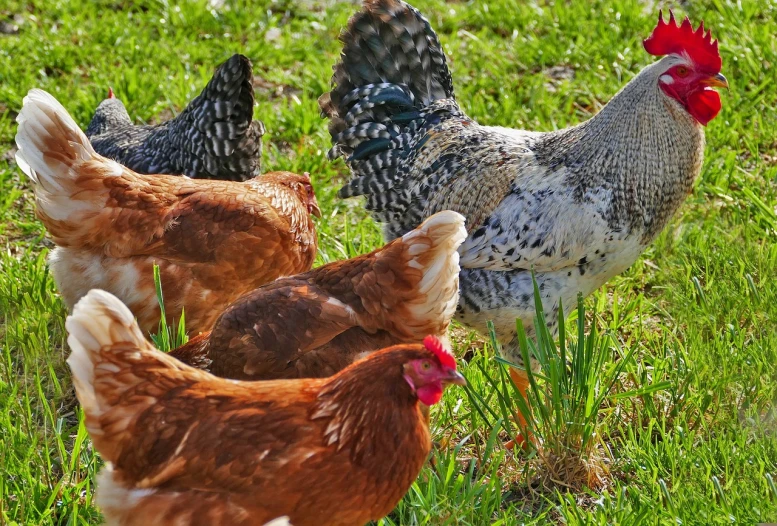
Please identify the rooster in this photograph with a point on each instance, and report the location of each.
(213, 138)
(184, 447)
(317, 323)
(577, 205)
(213, 240)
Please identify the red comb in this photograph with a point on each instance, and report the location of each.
(669, 38)
(110, 93)
(444, 355)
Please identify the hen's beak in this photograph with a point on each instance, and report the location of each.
(718, 81)
(454, 377)
(313, 207)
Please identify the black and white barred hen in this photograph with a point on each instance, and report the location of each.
(578, 205)
(214, 137)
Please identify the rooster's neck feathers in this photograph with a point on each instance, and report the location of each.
(642, 146)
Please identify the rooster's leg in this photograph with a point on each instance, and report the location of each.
(521, 381)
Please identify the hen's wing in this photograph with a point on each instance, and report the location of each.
(266, 332)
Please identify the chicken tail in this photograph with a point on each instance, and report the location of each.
(217, 130)
(50, 144)
(63, 166)
(391, 73)
(433, 248)
(116, 372)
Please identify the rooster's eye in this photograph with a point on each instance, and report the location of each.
(682, 71)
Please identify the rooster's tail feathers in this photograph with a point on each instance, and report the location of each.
(218, 124)
(434, 249)
(392, 74)
(388, 43)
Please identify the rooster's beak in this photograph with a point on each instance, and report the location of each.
(454, 377)
(718, 81)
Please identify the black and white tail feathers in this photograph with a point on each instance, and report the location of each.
(392, 69)
(214, 137)
(218, 126)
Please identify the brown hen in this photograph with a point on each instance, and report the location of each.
(184, 447)
(213, 240)
(317, 323)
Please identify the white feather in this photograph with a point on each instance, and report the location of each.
(44, 124)
(92, 328)
(439, 286)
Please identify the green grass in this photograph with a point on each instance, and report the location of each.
(696, 316)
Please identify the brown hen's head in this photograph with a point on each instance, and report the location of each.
(429, 373)
(427, 369)
(691, 68)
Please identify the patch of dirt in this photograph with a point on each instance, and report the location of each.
(769, 159)
(10, 155)
(270, 90)
(560, 73)
(468, 340)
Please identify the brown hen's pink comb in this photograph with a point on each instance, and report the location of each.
(444, 355)
(669, 38)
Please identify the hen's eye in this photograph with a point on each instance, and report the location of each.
(426, 366)
(682, 71)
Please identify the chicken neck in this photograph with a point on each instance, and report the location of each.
(640, 155)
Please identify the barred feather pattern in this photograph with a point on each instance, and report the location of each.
(374, 121)
(578, 206)
(214, 137)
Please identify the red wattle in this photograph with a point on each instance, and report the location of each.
(430, 394)
(704, 105)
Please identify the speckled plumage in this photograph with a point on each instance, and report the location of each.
(577, 205)
(214, 137)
